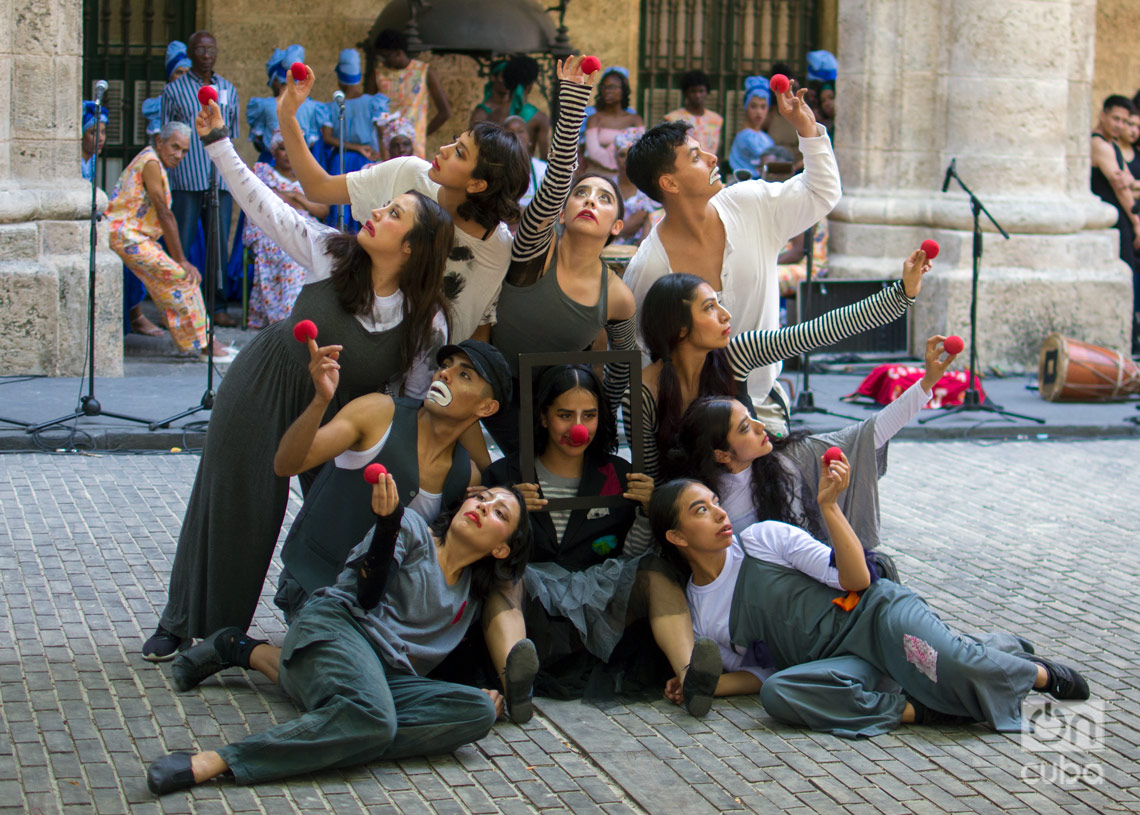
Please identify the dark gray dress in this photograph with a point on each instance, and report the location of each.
(237, 504)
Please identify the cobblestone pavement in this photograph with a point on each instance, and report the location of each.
(1036, 538)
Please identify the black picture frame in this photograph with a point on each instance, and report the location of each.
(527, 364)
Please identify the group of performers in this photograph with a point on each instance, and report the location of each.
(752, 569)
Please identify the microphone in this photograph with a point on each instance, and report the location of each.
(949, 174)
(338, 97)
(100, 89)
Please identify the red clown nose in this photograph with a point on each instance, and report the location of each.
(953, 345)
(579, 435)
(300, 71)
(206, 95)
(931, 248)
(832, 454)
(591, 64)
(779, 83)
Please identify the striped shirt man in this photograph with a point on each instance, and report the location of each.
(180, 104)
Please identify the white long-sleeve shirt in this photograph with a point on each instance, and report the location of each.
(304, 241)
(759, 218)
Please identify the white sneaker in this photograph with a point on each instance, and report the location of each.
(228, 355)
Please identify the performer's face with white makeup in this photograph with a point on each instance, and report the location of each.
(694, 170)
(458, 391)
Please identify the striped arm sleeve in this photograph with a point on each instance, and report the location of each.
(621, 336)
(755, 349)
(649, 464)
(537, 227)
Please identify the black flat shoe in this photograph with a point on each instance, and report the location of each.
(886, 567)
(170, 774)
(1065, 682)
(196, 663)
(700, 679)
(518, 681)
(161, 646)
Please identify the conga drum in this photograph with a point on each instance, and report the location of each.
(618, 255)
(1073, 371)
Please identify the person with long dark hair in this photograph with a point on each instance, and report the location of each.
(589, 576)
(759, 478)
(692, 352)
(377, 300)
(559, 294)
(827, 643)
(357, 656)
(478, 180)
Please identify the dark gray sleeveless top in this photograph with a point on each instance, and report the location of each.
(541, 318)
(337, 513)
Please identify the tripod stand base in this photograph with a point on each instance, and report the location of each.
(805, 403)
(972, 403)
(207, 403)
(88, 406)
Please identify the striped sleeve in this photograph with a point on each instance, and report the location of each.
(649, 462)
(621, 336)
(755, 349)
(538, 220)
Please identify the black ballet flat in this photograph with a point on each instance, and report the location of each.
(518, 681)
(170, 773)
(700, 679)
(196, 663)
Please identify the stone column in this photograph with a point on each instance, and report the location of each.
(1003, 88)
(45, 203)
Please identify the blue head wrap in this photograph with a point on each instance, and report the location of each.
(274, 69)
(348, 67)
(93, 113)
(822, 66)
(617, 69)
(152, 112)
(294, 53)
(176, 57)
(755, 85)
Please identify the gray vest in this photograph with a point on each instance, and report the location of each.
(337, 513)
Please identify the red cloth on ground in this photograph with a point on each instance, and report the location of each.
(887, 382)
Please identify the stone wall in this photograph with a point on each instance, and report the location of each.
(247, 35)
(45, 204)
(1117, 50)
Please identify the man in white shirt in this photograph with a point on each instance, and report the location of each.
(730, 236)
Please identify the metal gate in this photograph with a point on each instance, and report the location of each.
(727, 39)
(124, 43)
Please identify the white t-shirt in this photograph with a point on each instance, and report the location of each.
(759, 218)
(772, 542)
(481, 274)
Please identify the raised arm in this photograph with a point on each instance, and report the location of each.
(895, 416)
(372, 571)
(536, 230)
(301, 238)
(850, 559)
(318, 185)
(754, 349)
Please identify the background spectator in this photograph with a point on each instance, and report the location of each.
(407, 83)
(611, 117)
(706, 123)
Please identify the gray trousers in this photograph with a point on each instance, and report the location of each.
(357, 708)
(896, 647)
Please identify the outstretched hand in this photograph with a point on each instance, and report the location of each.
(571, 71)
(209, 118)
(833, 479)
(294, 93)
(324, 368)
(936, 366)
(914, 267)
(795, 109)
(385, 498)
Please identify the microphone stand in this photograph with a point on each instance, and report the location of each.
(340, 152)
(971, 399)
(805, 400)
(89, 405)
(213, 267)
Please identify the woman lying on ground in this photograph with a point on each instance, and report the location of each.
(358, 666)
(818, 634)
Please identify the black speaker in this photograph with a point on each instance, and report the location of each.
(828, 295)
